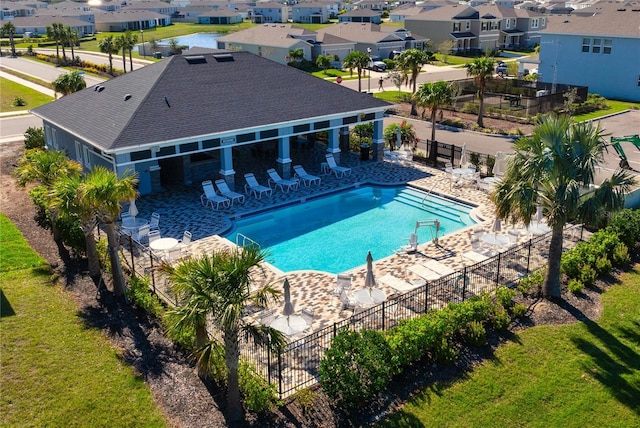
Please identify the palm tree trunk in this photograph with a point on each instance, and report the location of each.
(93, 260)
(57, 49)
(110, 64)
(481, 108)
(124, 60)
(414, 108)
(433, 123)
(201, 335)
(551, 286)
(359, 80)
(235, 413)
(130, 61)
(114, 258)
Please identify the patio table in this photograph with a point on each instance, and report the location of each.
(495, 239)
(539, 228)
(132, 224)
(290, 325)
(369, 296)
(163, 244)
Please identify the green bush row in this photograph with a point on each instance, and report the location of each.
(361, 364)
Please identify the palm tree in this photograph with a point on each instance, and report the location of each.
(481, 69)
(67, 203)
(108, 45)
(551, 167)
(102, 191)
(46, 167)
(122, 42)
(219, 287)
(69, 83)
(53, 33)
(434, 95)
(64, 39)
(8, 30)
(72, 39)
(359, 61)
(411, 62)
(132, 39)
(324, 61)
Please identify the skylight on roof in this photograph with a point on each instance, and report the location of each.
(227, 57)
(196, 59)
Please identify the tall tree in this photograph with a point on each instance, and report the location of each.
(411, 62)
(219, 287)
(53, 33)
(122, 42)
(64, 39)
(324, 61)
(102, 191)
(434, 95)
(72, 39)
(67, 203)
(108, 45)
(551, 168)
(9, 30)
(481, 69)
(359, 61)
(132, 39)
(69, 83)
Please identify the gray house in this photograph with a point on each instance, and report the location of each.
(183, 119)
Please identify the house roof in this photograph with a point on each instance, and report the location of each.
(47, 20)
(127, 16)
(187, 97)
(626, 19)
(279, 35)
(360, 32)
(447, 13)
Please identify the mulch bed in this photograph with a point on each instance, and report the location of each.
(184, 398)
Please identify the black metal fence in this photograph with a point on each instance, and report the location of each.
(296, 367)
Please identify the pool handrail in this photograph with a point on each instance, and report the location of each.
(244, 239)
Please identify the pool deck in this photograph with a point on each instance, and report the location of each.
(180, 209)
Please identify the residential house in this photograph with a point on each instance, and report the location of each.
(38, 24)
(267, 12)
(220, 16)
(382, 40)
(375, 5)
(133, 20)
(163, 8)
(361, 15)
(478, 29)
(601, 50)
(196, 116)
(272, 41)
(310, 13)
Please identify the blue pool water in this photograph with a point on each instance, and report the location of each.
(334, 233)
(203, 40)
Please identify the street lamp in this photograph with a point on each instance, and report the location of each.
(369, 80)
(142, 35)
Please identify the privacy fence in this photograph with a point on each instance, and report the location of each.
(296, 366)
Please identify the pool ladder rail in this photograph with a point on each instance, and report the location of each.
(431, 224)
(242, 240)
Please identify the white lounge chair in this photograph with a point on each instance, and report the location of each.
(339, 171)
(183, 244)
(277, 181)
(142, 234)
(154, 224)
(307, 179)
(224, 190)
(210, 197)
(411, 246)
(400, 285)
(255, 188)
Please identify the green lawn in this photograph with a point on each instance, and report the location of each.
(580, 375)
(56, 371)
(10, 90)
(614, 107)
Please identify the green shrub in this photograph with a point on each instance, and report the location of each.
(142, 297)
(573, 259)
(621, 255)
(471, 108)
(19, 102)
(185, 337)
(603, 243)
(34, 138)
(603, 266)
(588, 275)
(575, 286)
(626, 224)
(357, 366)
(505, 296)
(259, 396)
(518, 310)
(532, 284)
(456, 123)
(475, 334)
(305, 398)
(500, 318)
(445, 352)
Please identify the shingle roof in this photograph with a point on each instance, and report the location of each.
(174, 99)
(627, 22)
(267, 35)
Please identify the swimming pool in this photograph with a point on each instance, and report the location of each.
(335, 232)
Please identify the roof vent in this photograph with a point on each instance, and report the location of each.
(196, 59)
(99, 88)
(127, 97)
(226, 57)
